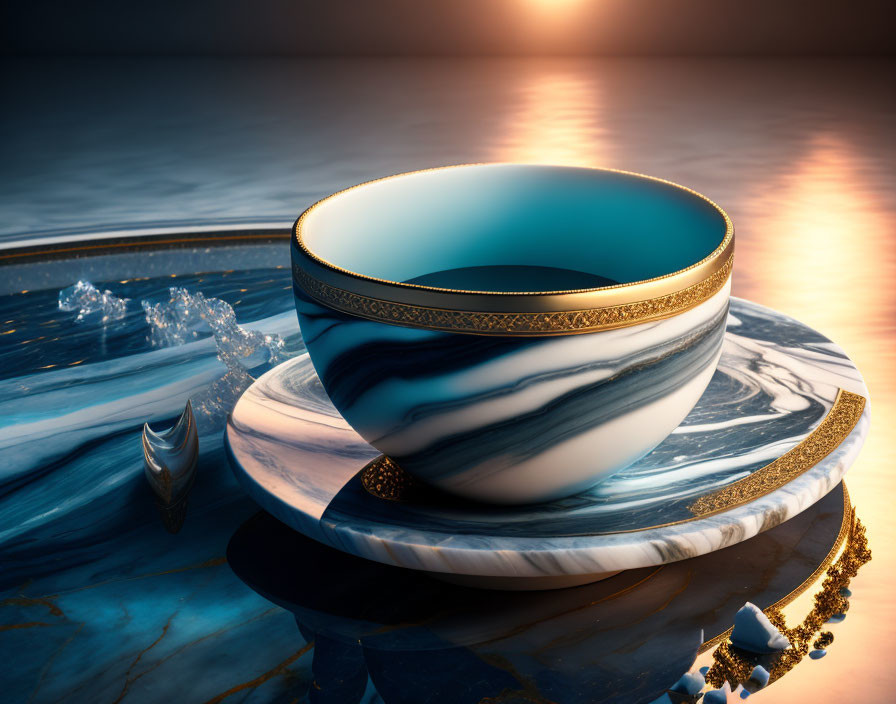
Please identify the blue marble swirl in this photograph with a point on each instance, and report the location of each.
(70, 433)
(98, 603)
(751, 413)
(621, 640)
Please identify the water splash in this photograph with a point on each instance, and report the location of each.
(213, 403)
(88, 300)
(189, 316)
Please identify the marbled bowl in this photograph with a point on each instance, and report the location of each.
(513, 333)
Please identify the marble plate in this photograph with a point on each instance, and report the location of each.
(782, 420)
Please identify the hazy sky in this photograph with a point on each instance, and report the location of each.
(447, 27)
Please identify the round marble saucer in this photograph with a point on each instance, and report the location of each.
(782, 420)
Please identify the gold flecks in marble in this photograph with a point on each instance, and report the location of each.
(833, 430)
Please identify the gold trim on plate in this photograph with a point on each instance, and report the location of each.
(827, 436)
(513, 313)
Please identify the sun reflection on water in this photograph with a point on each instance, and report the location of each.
(555, 121)
(815, 222)
(819, 223)
(816, 246)
(801, 153)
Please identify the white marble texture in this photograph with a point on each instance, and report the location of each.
(290, 449)
(776, 380)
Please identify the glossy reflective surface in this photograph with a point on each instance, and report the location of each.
(799, 153)
(622, 640)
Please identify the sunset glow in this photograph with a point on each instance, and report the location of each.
(556, 5)
(556, 121)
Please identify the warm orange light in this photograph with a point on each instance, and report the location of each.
(556, 120)
(558, 5)
(553, 18)
(818, 248)
(824, 224)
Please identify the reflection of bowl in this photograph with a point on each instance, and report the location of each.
(513, 333)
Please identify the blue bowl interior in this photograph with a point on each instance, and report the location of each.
(514, 227)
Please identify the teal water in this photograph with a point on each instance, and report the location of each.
(511, 277)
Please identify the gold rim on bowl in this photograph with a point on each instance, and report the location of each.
(534, 313)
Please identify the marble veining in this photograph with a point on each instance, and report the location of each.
(98, 602)
(775, 381)
(788, 129)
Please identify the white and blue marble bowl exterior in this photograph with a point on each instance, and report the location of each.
(514, 420)
(499, 417)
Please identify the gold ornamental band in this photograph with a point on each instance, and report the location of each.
(514, 313)
(515, 324)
